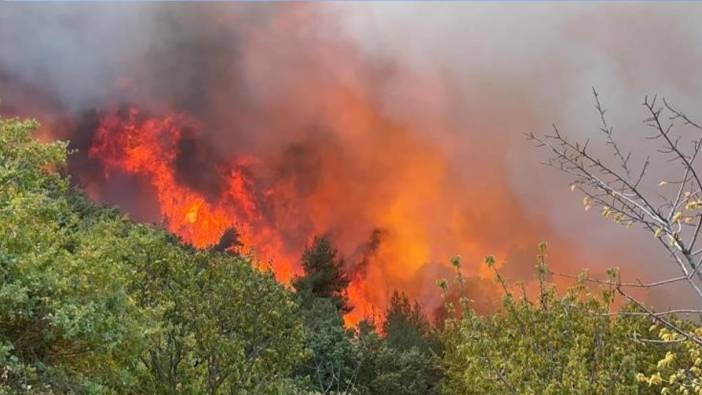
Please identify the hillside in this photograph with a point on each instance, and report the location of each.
(92, 302)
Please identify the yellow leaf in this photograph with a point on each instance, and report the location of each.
(677, 216)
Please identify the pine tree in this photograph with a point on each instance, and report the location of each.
(404, 359)
(406, 326)
(324, 275)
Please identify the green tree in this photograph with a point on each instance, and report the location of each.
(385, 369)
(67, 322)
(332, 364)
(324, 275)
(226, 328)
(406, 326)
(401, 361)
(91, 302)
(557, 344)
(658, 192)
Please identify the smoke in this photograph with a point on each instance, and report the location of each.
(516, 67)
(394, 128)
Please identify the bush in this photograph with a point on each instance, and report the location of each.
(556, 344)
(93, 303)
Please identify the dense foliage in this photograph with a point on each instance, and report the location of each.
(679, 371)
(400, 361)
(92, 303)
(554, 344)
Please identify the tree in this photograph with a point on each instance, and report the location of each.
(332, 364)
(554, 344)
(406, 326)
(404, 359)
(680, 370)
(67, 322)
(324, 275)
(225, 328)
(229, 241)
(91, 302)
(670, 209)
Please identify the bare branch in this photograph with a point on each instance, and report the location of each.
(678, 114)
(620, 284)
(668, 215)
(665, 134)
(609, 131)
(660, 319)
(667, 312)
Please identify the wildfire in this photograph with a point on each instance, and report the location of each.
(282, 133)
(268, 212)
(351, 186)
(147, 146)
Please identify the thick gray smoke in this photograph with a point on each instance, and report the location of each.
(518, 67)
(470, 78)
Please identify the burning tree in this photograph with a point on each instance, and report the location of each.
(662, 195)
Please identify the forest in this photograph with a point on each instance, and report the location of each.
(350, 197)
(92, 302)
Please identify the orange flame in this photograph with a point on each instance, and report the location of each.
(146, 146)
